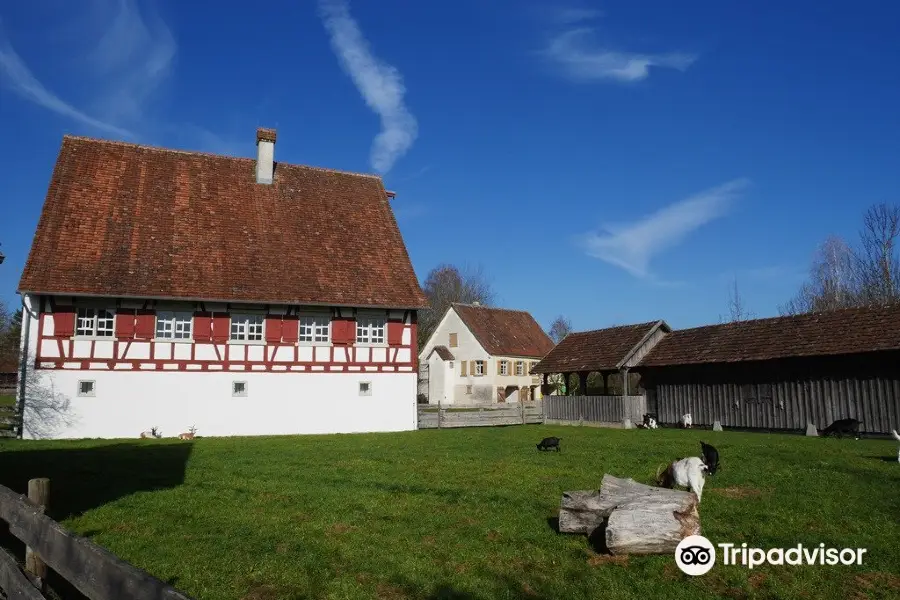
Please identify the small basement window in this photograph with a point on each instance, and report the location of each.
(238, 388)
(365, 388)
(86, 388)
(468, 390)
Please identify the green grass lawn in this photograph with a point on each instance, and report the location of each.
(7, 400)
(461, 513)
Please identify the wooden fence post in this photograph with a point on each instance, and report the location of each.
(39, 494)
(439, 414)
(522, 409)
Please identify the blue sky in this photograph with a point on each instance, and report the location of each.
(615, 162)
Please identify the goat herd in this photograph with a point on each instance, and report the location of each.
(691, 472)
(155, 433)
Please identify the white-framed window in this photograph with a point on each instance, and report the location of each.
(247, 328)
(87, 388)
(365, 388)
(315, 329)
(94, 322)
(174, 325)
(370, 330)
(239, 388)
(520, 367)
(479, 367)
(504, 367)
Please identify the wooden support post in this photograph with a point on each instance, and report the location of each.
(522, 408)
(39, 494)
(606, 384)
(582, 382)
(439, 414)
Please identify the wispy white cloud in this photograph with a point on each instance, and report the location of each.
(380, 84)
(575, 54)
(133, 57)
(129, 62)
(16, 75)
(632, 247)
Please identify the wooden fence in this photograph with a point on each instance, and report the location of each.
(595, 409)
(9, 421)
(440, 417)
(92, 570)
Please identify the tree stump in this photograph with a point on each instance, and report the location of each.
(717, 426)
(637, 518)
(811, 430)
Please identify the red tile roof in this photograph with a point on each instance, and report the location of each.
(847, 331)
(504, 332)
(136, 221)
(598, 350)
(443, 352)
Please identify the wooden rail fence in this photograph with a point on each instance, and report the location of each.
(440, 417)
(595, 409)
(9, 421)
(92, 570)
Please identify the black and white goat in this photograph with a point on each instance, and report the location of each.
(649, 421)
(690, 472)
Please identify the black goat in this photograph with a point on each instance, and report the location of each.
(549, 442)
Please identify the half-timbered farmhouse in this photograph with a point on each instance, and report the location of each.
(242, 296)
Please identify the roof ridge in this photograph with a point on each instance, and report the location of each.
(519, 310)
(201, 153)
(809, 315)
(644, 324)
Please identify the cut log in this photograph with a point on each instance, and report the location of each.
(638, 518)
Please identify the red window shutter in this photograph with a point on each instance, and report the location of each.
(290, 329)
(64, 321)
(338, 331)
(343, 331)
(221, 327)
(202, 327)
(124, 324)
(273, 329)
(145, 325)
(395, 333)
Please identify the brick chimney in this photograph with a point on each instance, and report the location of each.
(265, 155)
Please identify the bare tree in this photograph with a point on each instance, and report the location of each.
(44, 408)
(559, 329)
(877, 259)
(445, 285)
(833, 283)
(737, 310)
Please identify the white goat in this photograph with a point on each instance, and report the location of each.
(687, 473)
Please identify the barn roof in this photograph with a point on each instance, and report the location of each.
(442, 351)
(505, 332)
(597, 350)
(128, 220)
(847, 331)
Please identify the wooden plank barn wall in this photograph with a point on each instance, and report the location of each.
(781, 394)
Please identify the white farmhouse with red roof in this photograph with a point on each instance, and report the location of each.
(243, 296)
(483, 355)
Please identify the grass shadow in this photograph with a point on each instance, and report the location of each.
(884, 458)
(553, 523)
(84, 478)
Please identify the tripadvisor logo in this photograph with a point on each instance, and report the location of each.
(695, 555)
